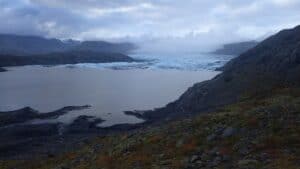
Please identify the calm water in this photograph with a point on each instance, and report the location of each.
(109, 92)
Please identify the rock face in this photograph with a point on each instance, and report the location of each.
(236, 48)
(272, 63)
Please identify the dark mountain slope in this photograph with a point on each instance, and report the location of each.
(274, 62)
(33, 50)
(28, 45)
(71, 57)
(236, 48)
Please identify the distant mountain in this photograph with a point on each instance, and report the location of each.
(32, 45)
(33, 50)
(28, 45)
(70, 57)
(236, 48)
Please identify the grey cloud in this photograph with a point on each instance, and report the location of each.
(172, 22)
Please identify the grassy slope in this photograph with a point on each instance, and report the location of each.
(266, 135)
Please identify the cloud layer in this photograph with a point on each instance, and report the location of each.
(189, 23)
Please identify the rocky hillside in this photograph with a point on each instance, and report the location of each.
(258, 133)
(272, 63)
(236, 48)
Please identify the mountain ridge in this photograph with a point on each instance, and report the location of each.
(16, 50)
(32, 45)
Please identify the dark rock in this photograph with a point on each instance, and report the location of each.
(219, 130)
(216, 161)
(244, 151)
(194, 158)
(2, 69)
(248, 164)
(50, 155)
(214, 151)
(211, 137)
(226, 158)
(179, 143)
(64, 167)
(229, 131)
(205, 157)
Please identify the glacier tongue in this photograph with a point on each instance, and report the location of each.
(189, 62)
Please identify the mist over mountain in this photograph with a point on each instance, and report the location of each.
(236, 48)
(26, 45)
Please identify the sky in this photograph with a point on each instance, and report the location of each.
(171, 25)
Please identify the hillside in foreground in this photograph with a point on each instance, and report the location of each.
(260, 132)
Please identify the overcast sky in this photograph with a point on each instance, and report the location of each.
(177, 22)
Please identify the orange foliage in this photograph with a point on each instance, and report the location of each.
(189, 146)
(155, 139)
(225, 150)
(105, 161)
(252, 122)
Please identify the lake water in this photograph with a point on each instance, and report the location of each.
(110, 89)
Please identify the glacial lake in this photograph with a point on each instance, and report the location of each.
(110, 92)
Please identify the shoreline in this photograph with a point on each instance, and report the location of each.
(2, 69)
(21, 139)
